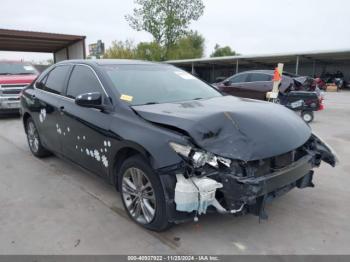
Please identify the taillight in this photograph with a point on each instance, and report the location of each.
(321, 106)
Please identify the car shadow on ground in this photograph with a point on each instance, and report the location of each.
(10, 116)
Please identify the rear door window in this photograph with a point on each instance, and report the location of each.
(257, 77)
(82, 80)
(241, 78)
(56, 80)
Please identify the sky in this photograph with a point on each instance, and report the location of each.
(247, 26)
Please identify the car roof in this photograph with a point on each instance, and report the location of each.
(99, 62)
(270, 72)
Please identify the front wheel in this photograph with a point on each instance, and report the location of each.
(142, 194)
(308, 116)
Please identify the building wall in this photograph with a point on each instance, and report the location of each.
(74, 51)
(60, 55)
(308, 69)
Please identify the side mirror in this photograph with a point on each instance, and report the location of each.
(93, 100)
(226, 82)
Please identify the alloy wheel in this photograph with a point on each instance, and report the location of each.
(138, 195)
(33, 137)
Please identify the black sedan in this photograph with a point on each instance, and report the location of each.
(173, 146)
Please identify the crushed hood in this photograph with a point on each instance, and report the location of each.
(304, 81)
(233, 127)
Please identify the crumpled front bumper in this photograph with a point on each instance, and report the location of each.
(254, 191)
(248, 189)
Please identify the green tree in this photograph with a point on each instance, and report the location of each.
(222, 51)
(121, 50)
(165, 20)
(189, 46)
(149, 51)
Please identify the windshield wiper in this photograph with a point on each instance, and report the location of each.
(25, 73)
(151, 103)
(155, 103)
(21, 73)
(145, 104)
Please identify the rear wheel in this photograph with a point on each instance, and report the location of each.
(142, 194)
(308, 116)
(33, 139)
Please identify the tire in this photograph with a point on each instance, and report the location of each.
(307, 116)
(33, 139)
(138, 203)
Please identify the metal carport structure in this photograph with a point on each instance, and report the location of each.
(304, 63)
(62, 46)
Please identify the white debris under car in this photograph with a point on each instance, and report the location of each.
(195, 194)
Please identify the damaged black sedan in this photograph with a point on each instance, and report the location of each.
(172, 145)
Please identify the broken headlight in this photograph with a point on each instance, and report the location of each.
(199, 157)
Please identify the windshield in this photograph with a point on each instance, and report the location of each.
(12, 68)
(154, 84)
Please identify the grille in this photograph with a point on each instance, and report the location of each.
(283, 160)
(266, 166)
(12, 89)
(13, 85)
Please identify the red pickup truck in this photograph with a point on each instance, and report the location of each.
(14, 76)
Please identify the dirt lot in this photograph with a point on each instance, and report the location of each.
(52, 207)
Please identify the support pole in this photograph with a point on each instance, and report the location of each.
(297, 66)
(313, 68)
(213, 73)
(237, 66)
(192, 69)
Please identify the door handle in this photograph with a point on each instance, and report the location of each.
(33, 96)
